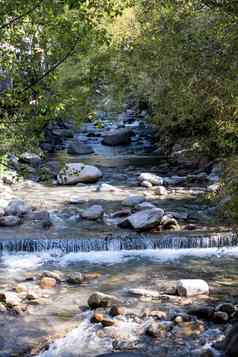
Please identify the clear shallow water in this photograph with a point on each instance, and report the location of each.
(119, 271)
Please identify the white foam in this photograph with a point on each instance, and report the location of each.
(80, 342)
(26, 261)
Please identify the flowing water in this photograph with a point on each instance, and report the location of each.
(59, 325)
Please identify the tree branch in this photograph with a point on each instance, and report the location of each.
(54, 67)
(18, 18)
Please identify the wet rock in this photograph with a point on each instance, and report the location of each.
(157, 330)
(226, 307)
(144, 205)
(132, 201)
(181, 318)
(203, 312)
(144, 220)
(231, 342)
(158, 314)
(79, 148)
(102, 300)
(117, 137)
(2, 212)
(74, 279)
(122, 213)
(31, 159)
(161, 191)
(93, 213)
(39, 215)
(100, 316)
(187, 329)
(220, 317)
(174, 180)
(48, 283)
(17, 208)
(144, 292)
(152, 178)
(169, 223)
(9, 221)
(117, 310)
(74, 173)
(192, 287)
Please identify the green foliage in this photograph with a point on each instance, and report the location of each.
(37, 37)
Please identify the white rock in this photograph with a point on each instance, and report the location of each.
(152, 178)
(143, 220)
(105, 187)
(192, 287)
(74, 173)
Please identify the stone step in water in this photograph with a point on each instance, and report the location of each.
(170, 241)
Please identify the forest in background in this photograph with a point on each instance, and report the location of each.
(178, 59)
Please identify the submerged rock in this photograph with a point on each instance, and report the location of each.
(17, 208)
(192, 287)
(48, 283)
(74, 173)
(9, 221)
(79, 148)
(92, 213)
(132, 201)
(102, 300)
(117, 137)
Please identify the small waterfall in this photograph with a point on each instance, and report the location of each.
(138, 242)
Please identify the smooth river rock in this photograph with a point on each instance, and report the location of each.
(79, 148)
(231, 342)
(102, 300)
(144, 220)
(74, 173)
(192, 287)
(17, 208)
(117, 137)
(9, 221)
(92, 213)
(152, 178)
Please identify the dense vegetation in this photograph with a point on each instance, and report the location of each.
(178, 59)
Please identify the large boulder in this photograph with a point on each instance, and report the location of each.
(79, 148)
(17, 208)
(93, 213)
(144, 220)
(117, 137)
(74, 173)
